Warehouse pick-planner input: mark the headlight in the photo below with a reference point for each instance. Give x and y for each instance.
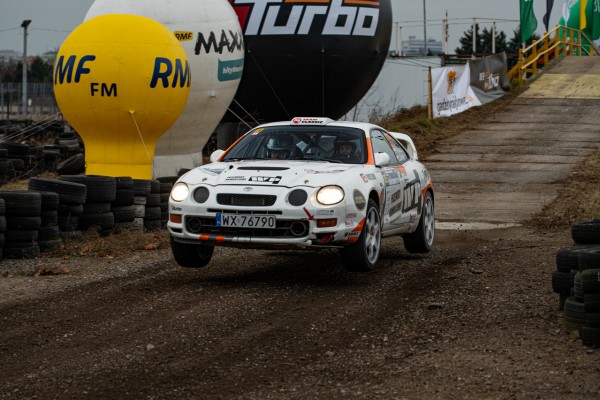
(329, 195)
(180, 192)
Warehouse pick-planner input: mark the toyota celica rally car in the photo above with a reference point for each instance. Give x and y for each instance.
(309, 183)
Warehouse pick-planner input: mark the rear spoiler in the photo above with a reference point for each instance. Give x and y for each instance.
(407, 142)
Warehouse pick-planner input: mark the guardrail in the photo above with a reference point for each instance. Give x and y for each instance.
(561, 41)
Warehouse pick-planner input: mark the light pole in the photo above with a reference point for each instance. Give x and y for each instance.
(24, 25)
(425, 28)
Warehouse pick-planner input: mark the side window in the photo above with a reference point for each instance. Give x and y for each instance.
(381, 145)
(398, 149)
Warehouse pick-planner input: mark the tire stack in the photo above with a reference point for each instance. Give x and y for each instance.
(73, 161)
(17, 156)
(166, 184)
(153, 212)
(3, 166)
(49, 232)
(142, 188)
(71, 196)
(577, 280)
(2, 226)
(101, 192)
(36, 160)
(122, 206)
(22, 210)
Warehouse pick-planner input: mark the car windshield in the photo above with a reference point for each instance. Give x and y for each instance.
(322, 143)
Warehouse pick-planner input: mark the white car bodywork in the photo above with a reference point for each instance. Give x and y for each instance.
(382, 194)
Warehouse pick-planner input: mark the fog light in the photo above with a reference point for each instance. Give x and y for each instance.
(326, 223)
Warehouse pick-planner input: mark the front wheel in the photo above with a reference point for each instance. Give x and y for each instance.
(363, 255)
(191, 255)
(421, 240)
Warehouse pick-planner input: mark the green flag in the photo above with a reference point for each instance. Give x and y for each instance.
(528, 21)
(594, 17)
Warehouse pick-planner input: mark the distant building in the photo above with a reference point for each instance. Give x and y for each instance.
(416, 47)
(10, 57)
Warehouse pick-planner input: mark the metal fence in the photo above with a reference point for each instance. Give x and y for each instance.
(40, 100)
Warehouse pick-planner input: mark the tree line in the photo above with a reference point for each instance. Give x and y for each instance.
(483, 41)
(38, 72)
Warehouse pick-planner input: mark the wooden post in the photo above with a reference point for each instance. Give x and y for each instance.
(430, 102)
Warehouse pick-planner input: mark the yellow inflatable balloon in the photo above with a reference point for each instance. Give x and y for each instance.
(121, 81)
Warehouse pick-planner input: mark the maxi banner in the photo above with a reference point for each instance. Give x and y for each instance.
(458, 88)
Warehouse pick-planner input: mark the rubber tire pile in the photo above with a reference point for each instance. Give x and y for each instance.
(21, 161)
(55, 210)
(577, 281)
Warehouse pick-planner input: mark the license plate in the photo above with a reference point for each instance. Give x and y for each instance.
(246, 220)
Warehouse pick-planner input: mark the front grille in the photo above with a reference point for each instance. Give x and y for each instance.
(246, 200)
(283, 229)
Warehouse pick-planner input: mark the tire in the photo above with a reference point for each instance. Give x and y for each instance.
(96, 208)
(21, 250)
(167, 179)
(50, 200)
(21, 203)
(124, 182)
(68, 192)
(561, 282)
(99, 188)
(152, 213)
(591, 302)
(104, 221)
(589, 259)
(142, 187)
(48, 233)
(153, 224)
(49, 218)
(421, 240)
(586, 233)
(70, 210)
(49, 244)
(21, 236)
(191, 255)
(70, 235)
(72, 165)
(124, 214)
(590, 281)
(590, 336)
(124, 197)
(153, 200)
(23, 223)
(363, 255)
(574, 314)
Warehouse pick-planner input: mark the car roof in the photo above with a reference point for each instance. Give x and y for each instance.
(365, 126)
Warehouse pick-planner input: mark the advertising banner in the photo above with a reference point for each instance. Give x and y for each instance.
(458, 88)
(451, 91)
(489, 77)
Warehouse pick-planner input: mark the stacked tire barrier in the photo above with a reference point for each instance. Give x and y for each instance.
(101, 192)
(122, 206)
(152, 216)
(166, 184)
(71, 196)
(4, 163)
(23, 220)
(72, 154)
(577, 281)
(2, 226)
(141, 190)
(49, 232)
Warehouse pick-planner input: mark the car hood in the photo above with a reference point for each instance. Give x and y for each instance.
(270, 173)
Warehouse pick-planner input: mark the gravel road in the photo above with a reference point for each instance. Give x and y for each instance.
(476, 318)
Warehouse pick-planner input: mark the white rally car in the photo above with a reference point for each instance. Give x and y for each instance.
(305, 183)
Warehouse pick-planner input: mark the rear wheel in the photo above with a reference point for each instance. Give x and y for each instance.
(363, 255)
(421, 240)
(191, 255)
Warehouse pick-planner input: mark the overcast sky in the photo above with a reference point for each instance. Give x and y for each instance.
(53, 20)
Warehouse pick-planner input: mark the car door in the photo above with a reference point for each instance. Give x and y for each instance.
(411, 186)
(391, 204)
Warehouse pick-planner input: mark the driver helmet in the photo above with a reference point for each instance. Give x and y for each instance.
(283, 143)
(342, 141)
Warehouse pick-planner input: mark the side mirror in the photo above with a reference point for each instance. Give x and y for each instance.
(214, 157)
(382, 159)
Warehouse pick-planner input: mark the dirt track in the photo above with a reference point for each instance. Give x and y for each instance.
(475, 319)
